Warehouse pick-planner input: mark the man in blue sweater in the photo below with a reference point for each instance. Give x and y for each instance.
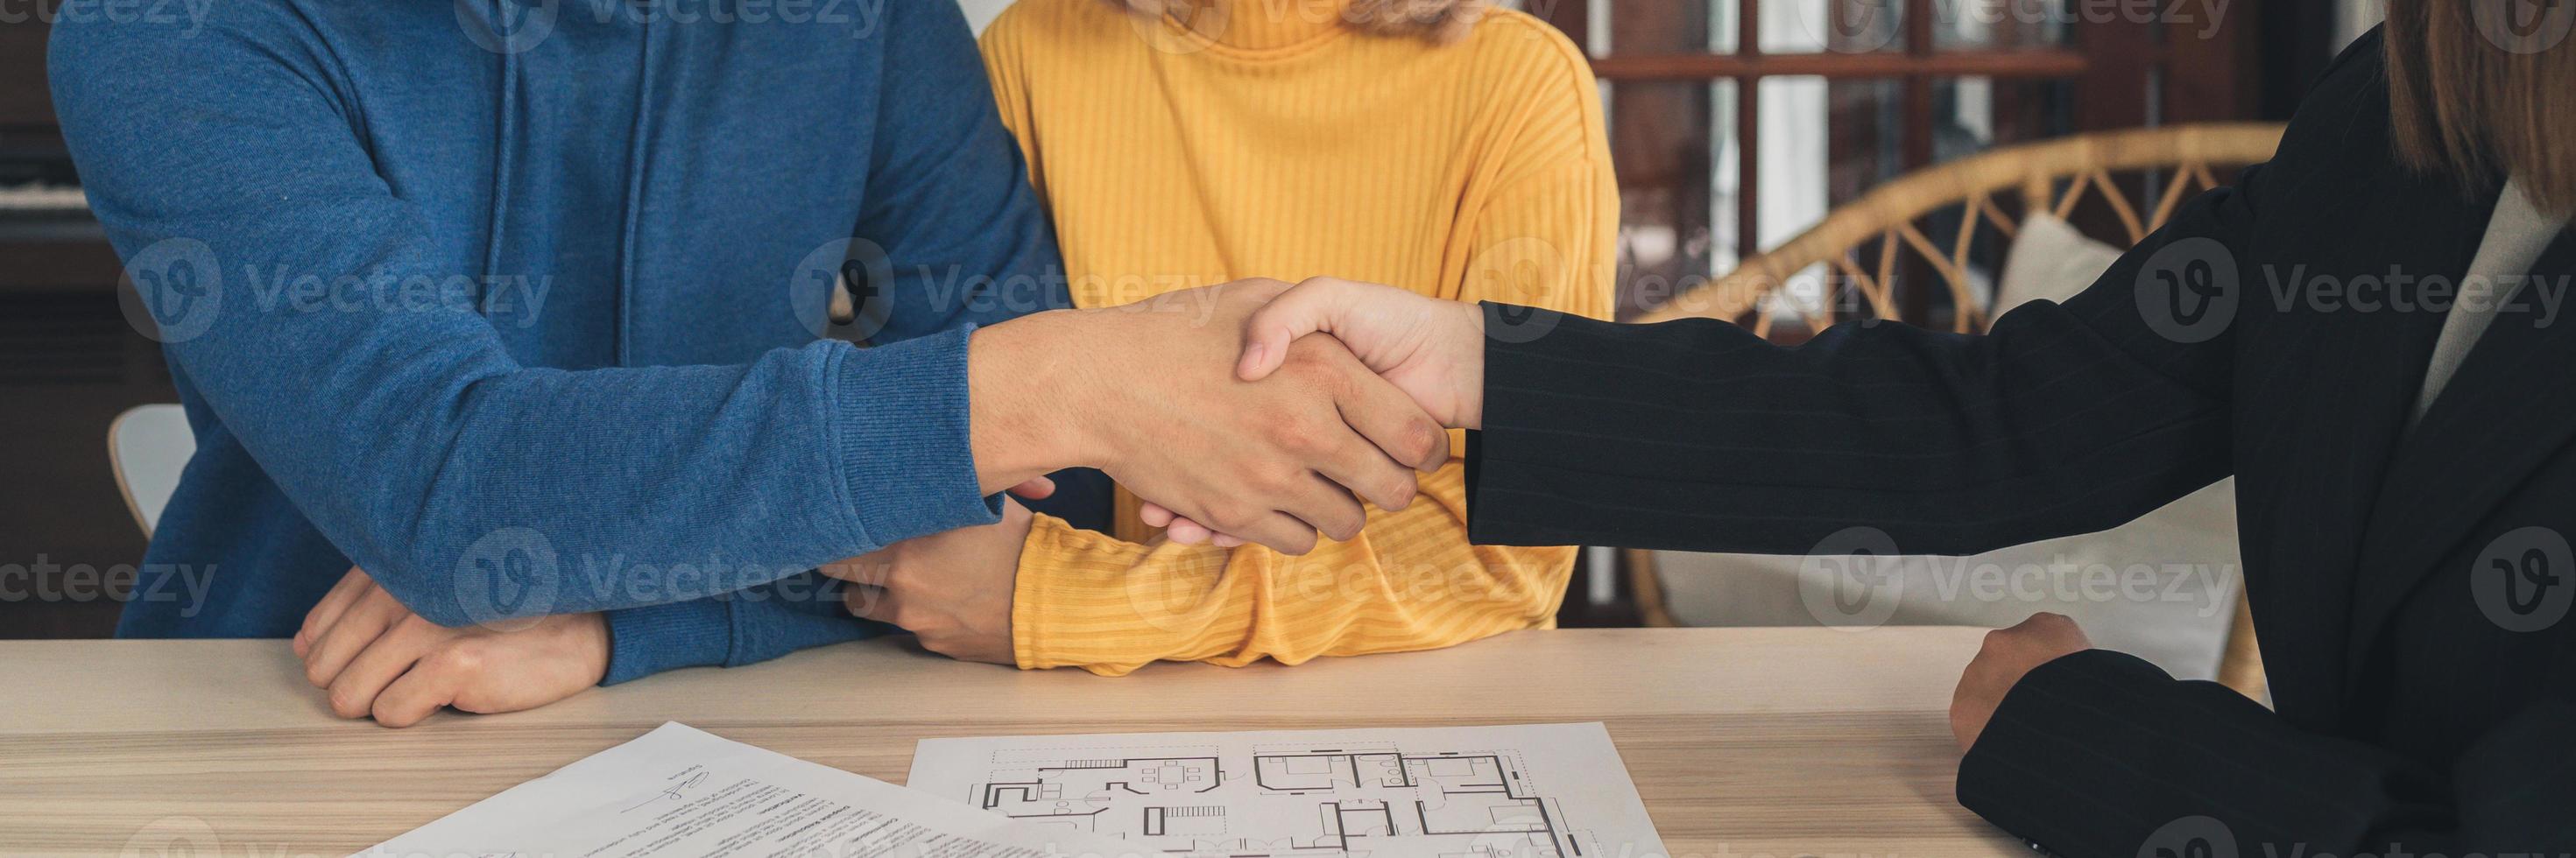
(521, 306)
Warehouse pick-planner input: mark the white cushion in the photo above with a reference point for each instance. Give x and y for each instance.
(2050, 260)
(2162, 587)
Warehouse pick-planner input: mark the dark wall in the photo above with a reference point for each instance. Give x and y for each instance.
(68, 364)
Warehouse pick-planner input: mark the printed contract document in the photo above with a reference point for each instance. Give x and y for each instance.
(678, 791)
(1533, 791)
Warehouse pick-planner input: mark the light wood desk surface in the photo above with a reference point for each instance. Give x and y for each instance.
(1745, 743)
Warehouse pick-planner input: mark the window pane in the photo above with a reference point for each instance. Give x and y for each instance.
(1668, 139)
(2000, 24)
(1788, 26)
(1822, 144)
(1839, 26)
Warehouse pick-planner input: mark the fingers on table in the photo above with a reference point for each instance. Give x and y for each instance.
(438, 679)
(328, 611)
(355, 692)
(366, 618)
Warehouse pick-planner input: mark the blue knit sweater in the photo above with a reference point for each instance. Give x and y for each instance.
(520, 304)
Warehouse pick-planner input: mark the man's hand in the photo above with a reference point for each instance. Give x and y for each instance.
(1433, 350)
(2009, 654)
(1144, 393)
(378, 658)
(952, 590)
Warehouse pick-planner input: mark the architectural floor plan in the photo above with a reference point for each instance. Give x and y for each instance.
(1536, 791)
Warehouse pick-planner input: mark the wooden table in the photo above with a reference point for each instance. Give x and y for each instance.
(1745, 743)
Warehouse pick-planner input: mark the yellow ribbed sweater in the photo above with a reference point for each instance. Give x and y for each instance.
(1289, 146)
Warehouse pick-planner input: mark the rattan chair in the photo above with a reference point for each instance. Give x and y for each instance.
(1865, 242)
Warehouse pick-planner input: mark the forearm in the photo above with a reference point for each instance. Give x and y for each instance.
(731, 630)
(2101, 754)
(462, 511)
(1698, 436)
(1411, 581)
(471, 485)
(1031, 414)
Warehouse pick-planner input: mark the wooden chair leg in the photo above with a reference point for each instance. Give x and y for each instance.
(1649, 587)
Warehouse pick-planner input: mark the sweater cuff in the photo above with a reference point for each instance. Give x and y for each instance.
(905, 439)
(649, 640)
(1080, 600)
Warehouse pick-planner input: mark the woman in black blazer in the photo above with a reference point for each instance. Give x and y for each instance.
(2410, 577)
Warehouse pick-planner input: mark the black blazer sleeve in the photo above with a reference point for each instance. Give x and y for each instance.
(1697, 435)
(2101, 754)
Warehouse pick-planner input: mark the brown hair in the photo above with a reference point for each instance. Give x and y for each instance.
(2482, 87)
(1437, 21)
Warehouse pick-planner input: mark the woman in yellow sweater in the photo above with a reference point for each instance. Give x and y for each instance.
(1435, 145)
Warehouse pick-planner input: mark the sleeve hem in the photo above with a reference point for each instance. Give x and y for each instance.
(903, 433)
(1049, 586)
(649, 640)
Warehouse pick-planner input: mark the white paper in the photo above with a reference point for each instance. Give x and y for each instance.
(678, 791)
(1534, 791)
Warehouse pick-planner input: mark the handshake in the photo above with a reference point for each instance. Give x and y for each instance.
(1224, 409)
(1220, 404)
